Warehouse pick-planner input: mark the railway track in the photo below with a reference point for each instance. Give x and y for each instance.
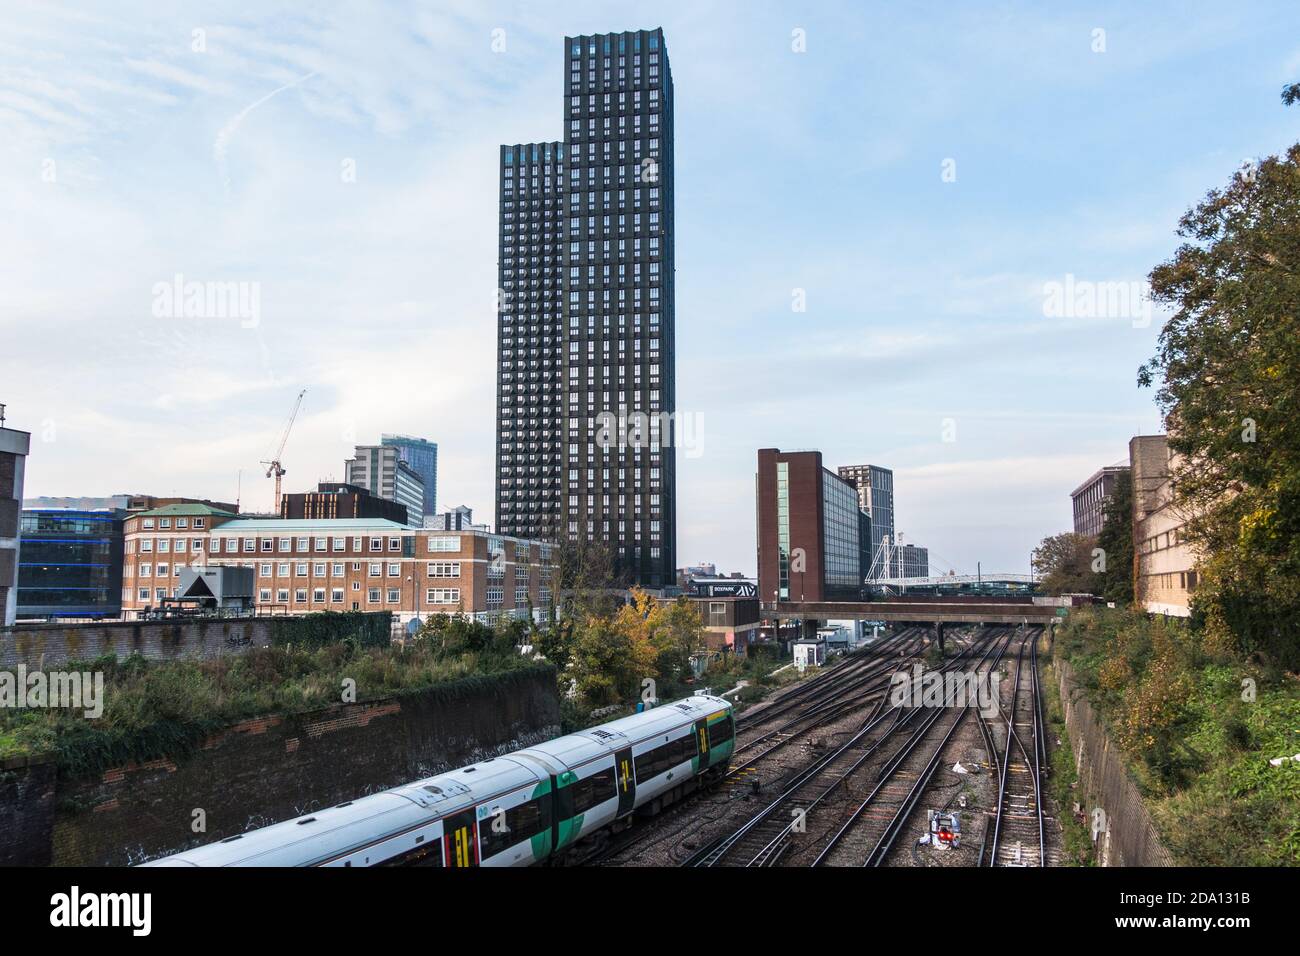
(873, 828)
(814, 705)
(1018, 835)
(766, 837)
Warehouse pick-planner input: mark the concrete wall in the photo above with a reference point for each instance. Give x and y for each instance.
(1127, 836)
(53, 644)
(267, 770)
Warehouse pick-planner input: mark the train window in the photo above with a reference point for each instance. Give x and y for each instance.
(589, 791)
(665, 757)
(721, 732)
(499, 831)
(426, 854)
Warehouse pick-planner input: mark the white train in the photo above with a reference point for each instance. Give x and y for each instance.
(514, 810)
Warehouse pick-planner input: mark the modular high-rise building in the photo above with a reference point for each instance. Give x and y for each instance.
(1090, 498)
(422, 457)
(381, 470)
(875, 488)
(586, 387)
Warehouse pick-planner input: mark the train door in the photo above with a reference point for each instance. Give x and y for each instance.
(461, 837)
(702, 743)
(625, 780)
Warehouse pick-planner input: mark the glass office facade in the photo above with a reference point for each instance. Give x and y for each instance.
(70, 564)
(842, 549)
(422, 457)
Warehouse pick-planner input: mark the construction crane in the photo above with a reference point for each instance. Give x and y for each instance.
(274, 468)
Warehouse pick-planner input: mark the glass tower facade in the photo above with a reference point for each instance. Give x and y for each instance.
(875, 487)
(70, 563)
(586, 387)
(842, 549)
(422, 457)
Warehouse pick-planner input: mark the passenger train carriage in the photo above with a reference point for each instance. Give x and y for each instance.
(522, 808)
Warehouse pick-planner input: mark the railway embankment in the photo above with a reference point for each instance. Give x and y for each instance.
(1184, 752)
(189, 752)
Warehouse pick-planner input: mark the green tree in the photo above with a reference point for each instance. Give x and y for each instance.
(609, 662)
(1064, 562)
(1228, 364)
(1116, 540)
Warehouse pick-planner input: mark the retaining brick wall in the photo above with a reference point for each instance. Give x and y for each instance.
(269, 769)
(1128, 838)
(50, 645)
(27, 798)
(54, 644)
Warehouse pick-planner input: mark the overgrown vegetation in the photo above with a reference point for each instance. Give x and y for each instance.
(154, 709)
(1228, 369)
(1199, 725)
(367, 628)
(1076, 839)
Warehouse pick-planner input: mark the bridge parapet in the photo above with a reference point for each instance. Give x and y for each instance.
(952, 610)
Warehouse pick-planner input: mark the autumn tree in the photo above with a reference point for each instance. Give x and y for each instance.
(1064, 564)
(1116, 541)
(1228, 374)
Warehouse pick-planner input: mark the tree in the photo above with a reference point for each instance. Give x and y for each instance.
(1064, 564)
(1116, 542)
(609, 662)
(1228, 362)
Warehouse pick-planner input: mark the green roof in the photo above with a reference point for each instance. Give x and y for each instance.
(317, 525)
(187, 509)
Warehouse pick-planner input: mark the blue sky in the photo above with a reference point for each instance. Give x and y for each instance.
(127, 157)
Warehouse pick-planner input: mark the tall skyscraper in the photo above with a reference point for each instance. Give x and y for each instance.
(586, 384)
(381, 471)
(875, 487)
(422, 456)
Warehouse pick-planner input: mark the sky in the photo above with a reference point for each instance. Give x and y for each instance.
(877, 205)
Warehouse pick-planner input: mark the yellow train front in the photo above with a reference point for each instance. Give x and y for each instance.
(529, 806)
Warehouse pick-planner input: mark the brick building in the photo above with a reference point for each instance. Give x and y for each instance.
(730, 623)
(1165, 575)
(813, 539)
(342, 564)
(337, 499)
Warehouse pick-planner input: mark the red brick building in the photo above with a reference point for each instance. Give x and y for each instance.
(344, 564)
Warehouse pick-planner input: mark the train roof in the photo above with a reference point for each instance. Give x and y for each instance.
(325, 833)
(308, 838)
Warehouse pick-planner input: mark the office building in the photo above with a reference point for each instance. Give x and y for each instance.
(909, 561)
(459, 518)
(340, 564)
(14, 446)
(1165, 575)
(875, 490)
(422, 457)
(586, 384)
(809, 530)
(1090, 498)
(336, 499)
(70, 564)
(381, 470)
